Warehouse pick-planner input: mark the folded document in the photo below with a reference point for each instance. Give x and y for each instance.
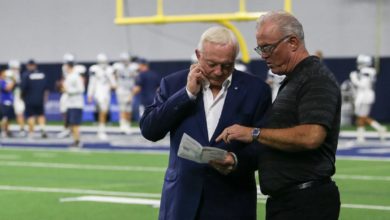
(190, 149)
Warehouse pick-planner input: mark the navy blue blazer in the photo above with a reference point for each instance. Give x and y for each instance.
(190, 188)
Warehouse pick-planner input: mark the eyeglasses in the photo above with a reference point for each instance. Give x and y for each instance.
(269, 48)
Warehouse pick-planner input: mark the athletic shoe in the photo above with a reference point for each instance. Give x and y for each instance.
(102, 136)
(22, 133)
(382, 133)
(76, 144)
(6, 134)
(30, 136)
(44, 135)
(64, 134)
(126, 130)
(360, 140)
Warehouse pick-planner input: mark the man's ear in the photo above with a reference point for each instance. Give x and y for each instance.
(294, 43)
(197, 53)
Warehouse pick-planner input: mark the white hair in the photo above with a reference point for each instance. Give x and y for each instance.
(286, 22)
(219, 35)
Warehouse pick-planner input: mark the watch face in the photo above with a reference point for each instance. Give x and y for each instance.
(255, 133)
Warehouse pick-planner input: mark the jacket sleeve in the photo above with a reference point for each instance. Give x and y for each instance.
(166, 112)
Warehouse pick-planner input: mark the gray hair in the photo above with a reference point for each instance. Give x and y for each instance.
(219, 35)
(285, 21)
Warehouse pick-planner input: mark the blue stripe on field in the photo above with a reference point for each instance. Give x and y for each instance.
(365, 151)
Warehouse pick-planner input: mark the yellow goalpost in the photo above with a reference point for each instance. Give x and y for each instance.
(222, 18)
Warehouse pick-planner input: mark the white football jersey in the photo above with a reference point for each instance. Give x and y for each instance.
(101, 80)
(363, 81)
(80, 69)
(74, 89)
(125, 75)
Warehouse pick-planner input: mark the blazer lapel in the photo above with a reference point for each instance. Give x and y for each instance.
(231, 106)
(201, 117)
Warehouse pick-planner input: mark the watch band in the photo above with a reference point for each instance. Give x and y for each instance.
(255, 134)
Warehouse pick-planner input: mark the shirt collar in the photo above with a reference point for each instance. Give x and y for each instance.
(225, 85)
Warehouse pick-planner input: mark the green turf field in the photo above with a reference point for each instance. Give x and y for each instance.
(38, 184)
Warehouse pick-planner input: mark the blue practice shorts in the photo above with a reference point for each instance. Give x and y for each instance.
(7, 111)
(74, 116)
(34, 110)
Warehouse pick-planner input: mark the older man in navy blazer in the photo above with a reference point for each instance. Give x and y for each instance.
(201, 102)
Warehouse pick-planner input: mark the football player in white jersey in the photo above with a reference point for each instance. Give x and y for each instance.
(73, 87)
(125, 74)
(364, 79)
(13, 72)
(101, 82)
(68, 63)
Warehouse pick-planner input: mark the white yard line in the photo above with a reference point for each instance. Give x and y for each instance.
(364, 158)
(76, 191)
(9, 156)
(353, 134)
(146, 169)
(353, 206)
(110, 199)
(361, 177)
(44, 155)
(81, 166)
(133, 194)
(156, 203)
(362, 206)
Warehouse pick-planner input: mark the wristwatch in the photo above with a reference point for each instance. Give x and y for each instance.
(255, 133)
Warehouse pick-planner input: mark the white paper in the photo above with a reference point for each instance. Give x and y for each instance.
(190, 149)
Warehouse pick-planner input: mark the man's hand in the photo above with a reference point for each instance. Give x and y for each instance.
(236, 132)
(224, 166)
(90, 99)
(195, 79)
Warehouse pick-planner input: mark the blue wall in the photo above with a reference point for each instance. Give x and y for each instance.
(341, 67)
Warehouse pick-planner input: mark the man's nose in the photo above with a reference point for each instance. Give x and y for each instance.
(264, 56)
(218, 69)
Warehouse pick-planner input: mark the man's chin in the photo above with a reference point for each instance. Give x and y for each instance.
(274, 70)
(215, 83)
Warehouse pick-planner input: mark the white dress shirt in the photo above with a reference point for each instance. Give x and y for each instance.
(213, 106)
